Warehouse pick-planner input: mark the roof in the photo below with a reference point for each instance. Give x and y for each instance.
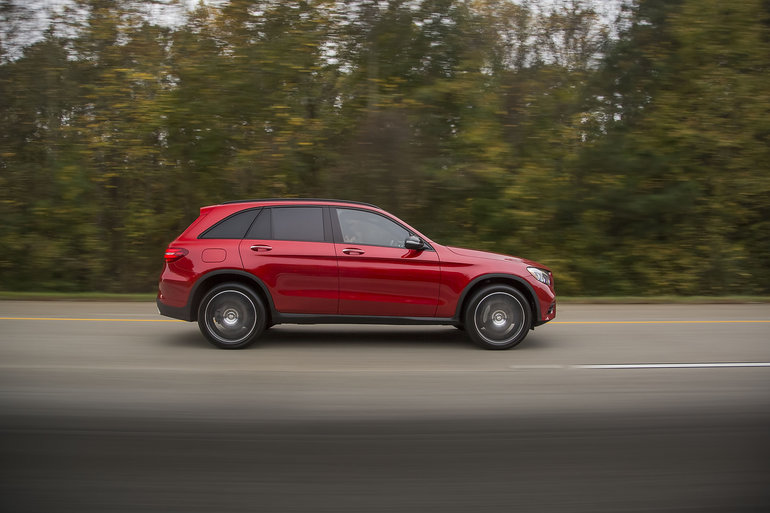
(299, 200)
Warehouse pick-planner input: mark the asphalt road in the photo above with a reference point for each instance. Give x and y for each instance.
(608, 409)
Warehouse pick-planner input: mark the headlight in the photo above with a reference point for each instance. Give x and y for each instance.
(540, 275)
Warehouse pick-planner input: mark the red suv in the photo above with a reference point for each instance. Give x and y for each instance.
(244, 266)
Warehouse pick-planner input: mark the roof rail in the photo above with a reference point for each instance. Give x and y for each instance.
(299, 199)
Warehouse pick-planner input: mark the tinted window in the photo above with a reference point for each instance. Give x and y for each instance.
(359, 227)
(233, 227)
(298, 223)
(260, 229)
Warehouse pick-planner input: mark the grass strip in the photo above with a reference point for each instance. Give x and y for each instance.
(652, 300)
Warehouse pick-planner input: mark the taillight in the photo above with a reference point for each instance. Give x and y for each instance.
(174, 254)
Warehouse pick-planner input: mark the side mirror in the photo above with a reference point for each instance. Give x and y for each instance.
(414, 242)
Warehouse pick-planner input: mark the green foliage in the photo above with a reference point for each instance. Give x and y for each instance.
(634, 164)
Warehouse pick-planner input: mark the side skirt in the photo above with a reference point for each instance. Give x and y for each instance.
(283, 318)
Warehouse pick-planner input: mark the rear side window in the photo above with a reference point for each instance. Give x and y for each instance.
(298, 223)
(232, 227)
(260, 229)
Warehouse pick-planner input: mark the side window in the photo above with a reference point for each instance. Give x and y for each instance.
(260, 229)
(367, 228)
(298, 223)
(232, 227)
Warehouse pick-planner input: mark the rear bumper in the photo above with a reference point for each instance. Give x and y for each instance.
(175, 312)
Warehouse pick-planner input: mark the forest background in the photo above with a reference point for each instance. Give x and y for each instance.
(628, 151)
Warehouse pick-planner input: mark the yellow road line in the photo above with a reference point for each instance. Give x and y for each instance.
(83, 319)
(661, 322)
(552, 322)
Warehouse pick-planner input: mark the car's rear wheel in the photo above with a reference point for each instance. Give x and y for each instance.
(497, 317)
(231, 316)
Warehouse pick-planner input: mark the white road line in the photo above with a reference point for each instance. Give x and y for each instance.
(673, 365)
(620, 366)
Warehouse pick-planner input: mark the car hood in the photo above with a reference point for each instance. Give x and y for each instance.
(472, 253)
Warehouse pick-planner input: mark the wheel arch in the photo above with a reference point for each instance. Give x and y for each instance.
(512, 280)
(214, 278)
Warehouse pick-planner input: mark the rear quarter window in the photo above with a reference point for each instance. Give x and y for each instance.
(232, 227)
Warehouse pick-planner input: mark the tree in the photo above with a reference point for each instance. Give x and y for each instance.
(632, 157)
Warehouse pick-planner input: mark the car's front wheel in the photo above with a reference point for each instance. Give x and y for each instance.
(497, 317)
(231, 316)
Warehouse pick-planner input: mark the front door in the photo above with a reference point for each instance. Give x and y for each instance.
(378, 276)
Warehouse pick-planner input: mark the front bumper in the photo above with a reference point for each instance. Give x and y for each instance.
(550, 314)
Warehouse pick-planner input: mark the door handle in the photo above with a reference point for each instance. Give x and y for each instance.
(353, 251)
(261, 247)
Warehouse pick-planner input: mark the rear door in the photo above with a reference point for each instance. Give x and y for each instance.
(290, 249)
(378, 275)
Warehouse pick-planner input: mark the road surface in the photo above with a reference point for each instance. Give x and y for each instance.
(611, 408)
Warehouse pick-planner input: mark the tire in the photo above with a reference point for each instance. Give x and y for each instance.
(231, 316)
(497, 317)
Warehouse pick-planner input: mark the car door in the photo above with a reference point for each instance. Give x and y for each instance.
(290, 249)
(378, 276)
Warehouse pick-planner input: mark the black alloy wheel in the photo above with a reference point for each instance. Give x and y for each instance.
(231, 316)
(498, 317)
